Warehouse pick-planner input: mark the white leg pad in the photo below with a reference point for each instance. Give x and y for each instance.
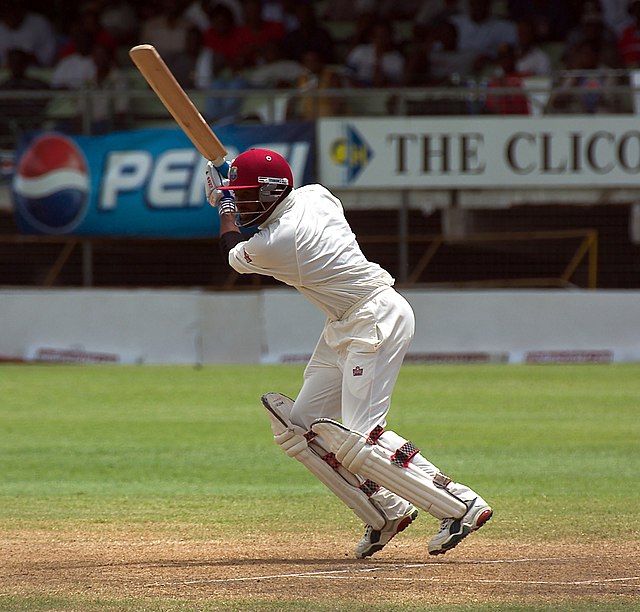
(375, 462)
(319, 461)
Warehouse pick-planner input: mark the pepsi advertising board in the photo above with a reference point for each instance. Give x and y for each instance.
(147, 183)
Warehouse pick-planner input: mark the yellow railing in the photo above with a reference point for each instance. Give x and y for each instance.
(587, 248)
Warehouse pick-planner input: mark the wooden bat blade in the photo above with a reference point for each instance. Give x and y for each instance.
(176, 101)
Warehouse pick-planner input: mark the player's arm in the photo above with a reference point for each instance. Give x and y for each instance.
(229, 234)
(224, 201)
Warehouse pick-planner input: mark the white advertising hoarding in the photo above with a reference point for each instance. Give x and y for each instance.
(479, 152)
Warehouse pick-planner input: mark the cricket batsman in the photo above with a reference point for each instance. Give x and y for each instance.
(336, 425)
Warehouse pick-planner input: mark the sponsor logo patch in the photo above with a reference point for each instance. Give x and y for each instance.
(358, 371)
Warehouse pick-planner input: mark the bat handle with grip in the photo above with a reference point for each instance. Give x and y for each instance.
(222, 166)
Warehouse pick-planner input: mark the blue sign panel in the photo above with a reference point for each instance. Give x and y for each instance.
(137, 183)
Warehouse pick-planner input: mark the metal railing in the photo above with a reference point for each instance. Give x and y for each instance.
(74, 110)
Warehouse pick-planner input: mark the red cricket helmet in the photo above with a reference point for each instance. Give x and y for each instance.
(266, 171)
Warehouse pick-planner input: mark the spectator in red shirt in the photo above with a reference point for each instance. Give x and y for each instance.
(222, 37)
(507, 103)
(629, 42)
(255, 33)
(88, 21)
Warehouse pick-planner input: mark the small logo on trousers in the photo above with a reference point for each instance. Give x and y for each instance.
(358, 371)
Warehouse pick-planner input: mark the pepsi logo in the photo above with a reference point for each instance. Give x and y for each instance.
(51, 185)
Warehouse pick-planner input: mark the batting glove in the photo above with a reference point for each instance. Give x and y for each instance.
(213, 181)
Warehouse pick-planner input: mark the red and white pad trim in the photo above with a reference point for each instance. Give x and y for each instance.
(404, 454)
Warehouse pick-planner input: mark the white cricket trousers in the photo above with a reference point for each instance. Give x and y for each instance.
(356, 362)
(352, 372)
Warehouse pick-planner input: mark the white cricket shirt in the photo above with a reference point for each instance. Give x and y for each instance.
(308, 244)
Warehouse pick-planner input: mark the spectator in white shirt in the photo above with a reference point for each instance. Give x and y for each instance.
(76, 69)
(616, 15)
(28, 31)
(377, 63)
(531, 59)
(168, 31)
(92, 67)
(447, 63)
(481, 32)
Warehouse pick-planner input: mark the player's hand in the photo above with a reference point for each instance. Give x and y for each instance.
(222, 200)
(213, 180)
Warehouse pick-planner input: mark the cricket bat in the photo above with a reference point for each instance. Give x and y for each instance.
(157, 74)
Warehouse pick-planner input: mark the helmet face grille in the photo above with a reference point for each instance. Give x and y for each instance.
(268, 196)
(270, 192)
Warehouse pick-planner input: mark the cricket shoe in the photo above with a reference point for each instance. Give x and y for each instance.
(374, 540)
(454, 530)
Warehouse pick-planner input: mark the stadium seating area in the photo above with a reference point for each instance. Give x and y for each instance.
(538, 59)
(273, 58)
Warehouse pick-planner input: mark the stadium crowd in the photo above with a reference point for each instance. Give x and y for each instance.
(240, 44)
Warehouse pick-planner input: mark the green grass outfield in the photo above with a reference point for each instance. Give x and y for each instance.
(555, 448)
